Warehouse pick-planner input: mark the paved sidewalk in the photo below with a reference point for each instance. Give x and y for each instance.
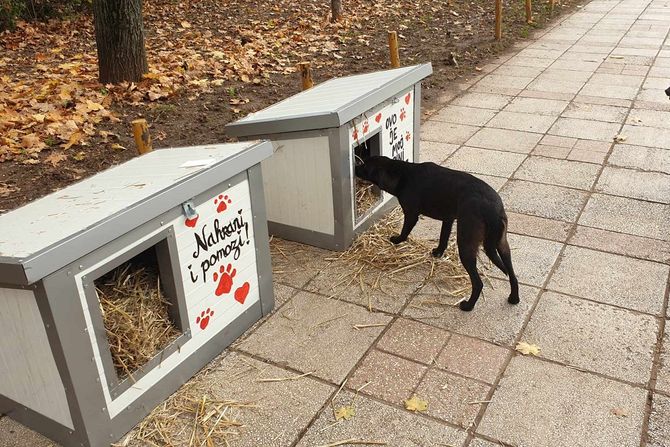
(590, 224)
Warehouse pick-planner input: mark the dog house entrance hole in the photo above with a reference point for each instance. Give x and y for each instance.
(366, 195)
(139, 309)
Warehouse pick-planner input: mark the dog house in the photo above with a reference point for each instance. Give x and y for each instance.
(177, 238)
(311, 191)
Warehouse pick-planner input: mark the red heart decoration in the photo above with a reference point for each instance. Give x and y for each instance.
(241, 293)
(407, 98)
(191, 222)
(378, 118)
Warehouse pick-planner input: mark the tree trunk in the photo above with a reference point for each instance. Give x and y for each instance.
(336, 7)
(119, 35)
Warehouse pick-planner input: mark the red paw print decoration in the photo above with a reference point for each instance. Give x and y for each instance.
(225, 277)
(366, 127)
(408, 136)
(403, 114)
(203, 319)
(354, 134)
(222, 203)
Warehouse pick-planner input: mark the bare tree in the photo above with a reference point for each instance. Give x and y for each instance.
(119, 35)
(336, 7)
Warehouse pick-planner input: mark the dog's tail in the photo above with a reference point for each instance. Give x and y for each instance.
(496, 230)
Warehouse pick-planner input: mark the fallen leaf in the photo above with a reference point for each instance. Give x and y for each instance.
(527, 349)
(79, 156)
(345, 413)
(118, 147)
(620, 138)
(416, 404)
(185, 24)
(619, 412)
(74, 139)
(55, 158)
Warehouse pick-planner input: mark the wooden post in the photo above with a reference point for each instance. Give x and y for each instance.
(393, 47)
(306, 74)
(529, 12)
(336, 10)
(551, 5)
(142, 137)
(498, 19)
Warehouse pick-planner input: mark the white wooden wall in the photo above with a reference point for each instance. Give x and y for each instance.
(298, 184)
(28, 373)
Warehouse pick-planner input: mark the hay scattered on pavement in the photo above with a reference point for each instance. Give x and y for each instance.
(135, 315)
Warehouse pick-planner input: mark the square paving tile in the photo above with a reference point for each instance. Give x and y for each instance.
(414, 340)
(477, 442)
(638, 157)
(544, 84)
(390, 378)
(539, 106)
(653, 186)
(553, 202)
(542, 150)
(595, 112)
(553, 140)
(526, 122)
(546, 405)
(595, 337)
(492, 319)
(451, 397)
(473, 358)
(627, 216)
(532, 258)
(647, 136)
(446, 132)
(593, 145)
(663, 377)
(604, 91)
(435, 151)
(566, 75)
(659, 422)
(483, 161)
(615, 81)
(493, 181)
(472, 116)
(612, 279)
(505, 140)
(650, 118)
(585, 129)
(482, 100)
(301, 266)
(378, 422)
(13, 434)
(313, 333)
(587, 156)
(622, 244)
(558, 172)
(538, 226)
(496, 80)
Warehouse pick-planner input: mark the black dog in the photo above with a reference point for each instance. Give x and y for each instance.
(445, 194)
(667, 91)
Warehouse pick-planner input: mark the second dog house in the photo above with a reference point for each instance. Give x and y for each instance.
(311, 191)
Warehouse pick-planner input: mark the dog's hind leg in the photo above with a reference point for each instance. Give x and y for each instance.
(411, 218)
(468, 240)
(506, 256)
(444, 238)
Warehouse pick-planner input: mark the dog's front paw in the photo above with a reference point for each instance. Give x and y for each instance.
(466, 306)
(437, 253)
(513, 299)
(396, 239)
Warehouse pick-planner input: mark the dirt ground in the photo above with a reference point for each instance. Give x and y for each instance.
(212, 62)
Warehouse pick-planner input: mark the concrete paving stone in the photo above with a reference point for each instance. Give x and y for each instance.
(492, 319)
(663, 376)
(494, 182)
(378, 422)
(312, 333)
(482, 100)
(546, 405)
(427, 229)
(495, 89)
(662, 62)
(546, 95)
(505, 140)
(650, 118)
(300, 267)
(585, 129)
(638, 185)
(478, 442)
(594, 337)
(537, 226)
(634, 60)
(635, 70)
(642, 158)
(546, 54)
(414, 340)
(615, 81)
(622, 244)
(586, 156)
(625, 215)
(656, 104)
(658, 83)
(435, 151)
(446, 132)
(532, 258)
(644, 46)
(595, 112)
(593, 146)
(553, 140)
(464, 115)
(473, 358)
(523, 61)
(484, 161)
(551, 151)
(604, 91)
(589, 67)
(522, 121)
(283, 293)
(613, 102)
(449, 397)
(237, 377)
(558, 172)
(552, 202)
(580, 56)
(13, 434)
(391, 378)
(496, 80)
(651, 95)
(659, 71)
(659, 422)
(544, 84)
(516, 70)
(611, 279)
(536, 106)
